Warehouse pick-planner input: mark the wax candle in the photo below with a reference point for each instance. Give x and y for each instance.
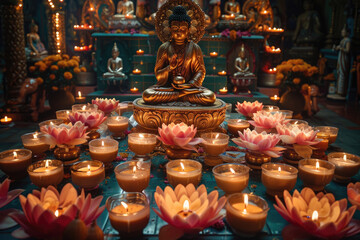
(331, 131)
(214, 144)
(88, 174)
(51, 121)
(117, 125)
(80, 98)
(46, 172)
(214, 54)
(236, 125)
(346, 165)
(36, 142)
(136, 71)
(231, 17)
(133, 176)
(277, 177)
(141, 143)
(222, 73)
(223, 90)
(140, 52)
(103, 149)
(63, 115)
(6, 120)
(287, 113)
(134, 90)
(246, 214)
(316, 173)
(129, 213)
(14, 162)
(298, 122)
(84, 107)
(231, 177)
(270, 108)
(274, 98)
(183, 171)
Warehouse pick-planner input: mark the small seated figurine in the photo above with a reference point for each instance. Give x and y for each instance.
(35, 47)
(242, 64)
(232, 8)
(179, 68)
(125, 9)
(114, 65)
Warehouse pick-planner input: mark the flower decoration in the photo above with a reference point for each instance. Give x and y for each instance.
(7, 196)
(299, 136)
(320, 215)
(90, 119)
(48, 212)
(106, 105)
(187, 210)
(249, 108)
(261, 142)
(180, 135)
(265, 121)
(65, 134)
(353, 192)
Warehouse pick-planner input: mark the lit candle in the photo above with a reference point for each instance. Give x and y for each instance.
(331, 131)
(223, 90)
(246, 214)
(316, 173)
(214, 144)
(134, 90)
(14, 162)
(6, 120)
(298, 122)
(270, 108)
(287, 113)
(51, 122)
(91, 9)
(133, 176)
(275, 98)
(278, 177)
(141, 144)
(35, 142)
(232, 17)
(236, 125)
(118, 125)
(183, 172)
(63, 115)
(140, 52)
(214, 54)
(136, 71)
(222, 73)
(231, 177)
(84, 108)
(186, 210)
(80, 98)
(129, 213)
(46, 172)
(104, 150)
(88, 174)
(346, 165)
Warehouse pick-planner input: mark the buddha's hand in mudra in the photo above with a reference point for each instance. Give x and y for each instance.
(182, 86)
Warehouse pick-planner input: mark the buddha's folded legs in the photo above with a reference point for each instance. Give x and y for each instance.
(153, 96)
(206, 97)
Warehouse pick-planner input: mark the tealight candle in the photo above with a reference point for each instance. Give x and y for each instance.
(129, 213)
(103, 149)
(63, 115)
(46, 172)
(298, 122)
(346, 165)
(183, 171)
(214, 144)
(214, 54)
(237, 125)
(331, 131)
(141, 144)
(223, 90)
(270, 108)
(88, 174)
(278, 177)
(6, 120)
(287, 113)
(275, 98)
(80, 98)
(84, 107)
(14, 162)
(231, 177)
(35, 142)
(118, 125)
(222, 73)
(133, 176)
(316, 173)
(231, 16)
(246, 214)
(134, 90)
(136, 71)
(51, 121)
(140, 52)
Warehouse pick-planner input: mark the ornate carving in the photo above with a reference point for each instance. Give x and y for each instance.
(204, 118)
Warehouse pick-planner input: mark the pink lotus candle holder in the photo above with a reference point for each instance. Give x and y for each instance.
(267, 121)
(106, 105)
(248, 108)
(353, 193)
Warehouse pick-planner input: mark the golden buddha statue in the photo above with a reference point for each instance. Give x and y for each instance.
(35, 47)
(114, 65)
(232, 11)
(242, 64)
(125, 9)
(179, 68)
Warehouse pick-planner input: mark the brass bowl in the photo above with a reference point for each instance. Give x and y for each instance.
(179, 80)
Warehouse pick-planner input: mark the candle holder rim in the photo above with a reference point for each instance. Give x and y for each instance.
(354, 156)
(120, 118)
(323, 162)
(39, 134)
(118, 170)
(198, 164)
(58, 164)
(237, 120)
(275, 108)
(89, 107)
(147, 136)
(77, 165)
(293, 171)
(224, 136)
(237, 174)
(4, 153)
(265, 208)
(327, 128)
(123, 196)
(55, 121)
(107, 140)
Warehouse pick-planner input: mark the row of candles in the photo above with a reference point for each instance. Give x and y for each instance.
(83, 27)
(82, 48)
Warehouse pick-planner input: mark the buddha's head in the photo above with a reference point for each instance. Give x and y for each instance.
(179, 22)
(34, 28)
(242, 51)
(115, 51)
(344, 31)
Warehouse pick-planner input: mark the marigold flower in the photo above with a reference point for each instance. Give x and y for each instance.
(68, 75)
(54, 68)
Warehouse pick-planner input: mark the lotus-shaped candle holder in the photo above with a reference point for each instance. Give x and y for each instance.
(91, 119)
(248, 108)
(267, 121)
(353, 192)
(319, 215)
(187, 210)
(106, 105)
(48, 212)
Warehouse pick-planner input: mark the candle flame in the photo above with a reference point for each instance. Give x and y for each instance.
(56, 213)
(35, 135)
(224, 88)
(79, 93)
(47, 163)
(279, 169)
(84, 107)
(134, 169)
(317, 165)
(296, 122)
(15, 154)
(186, 206)
(89, 167)
(51, 123)
(117, 118)
(102, 143)
(141, 135)
(315, 216)
(271, 108)
(125, 206)
(232, 171)
(275, 96)
(6, 118)
(345, 158)
(67, 112)
(246, 202)
(182, 166)
(217, 135)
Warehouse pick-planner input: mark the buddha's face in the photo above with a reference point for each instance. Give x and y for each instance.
(343, 32)
(115, 54)
(179, 31)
